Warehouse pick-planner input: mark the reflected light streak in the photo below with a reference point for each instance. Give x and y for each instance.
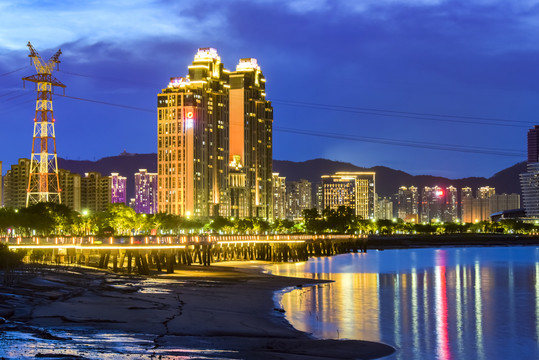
(478, 311)
(396, 311)
(442, 337)
(537, 299)
(415, 325)
(458, 292)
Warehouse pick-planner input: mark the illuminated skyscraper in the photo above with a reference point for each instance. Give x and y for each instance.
(298, 198)
(145, 192)
(351, 189)
(432, 204)
(529, 181)
(407, 204)
(193, 142)
(117, 186)
(450, 213)
(533, 144)
(251, 120)
(279, 196)
(1, 187)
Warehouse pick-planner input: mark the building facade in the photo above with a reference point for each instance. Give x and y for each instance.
(351, 189)
(408, 204)
(384, 208)
(145, 201)
(298, 198)
(450, 209)
(70, 186)
(251, 153)
(98, 192)
(16, 184)
(279, 196)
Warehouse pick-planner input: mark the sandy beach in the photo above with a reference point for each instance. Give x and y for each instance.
(218, 312)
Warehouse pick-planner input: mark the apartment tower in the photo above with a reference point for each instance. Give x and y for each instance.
(250, 158)
(193, 143)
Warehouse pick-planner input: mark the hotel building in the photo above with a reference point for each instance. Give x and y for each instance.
(351, 189)
(215, 141)
(193, 143)
(250, 157)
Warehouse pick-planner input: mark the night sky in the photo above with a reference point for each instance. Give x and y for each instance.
(361, 71)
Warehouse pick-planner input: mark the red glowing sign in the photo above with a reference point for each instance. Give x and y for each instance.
(440, 193)
(189, 114)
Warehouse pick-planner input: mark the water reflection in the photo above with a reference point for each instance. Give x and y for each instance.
(456, 303)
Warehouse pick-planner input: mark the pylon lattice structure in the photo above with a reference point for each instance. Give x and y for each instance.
(43, 182)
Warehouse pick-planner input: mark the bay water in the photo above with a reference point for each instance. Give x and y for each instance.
(449, 303)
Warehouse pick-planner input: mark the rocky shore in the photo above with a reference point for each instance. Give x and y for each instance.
(217, 312)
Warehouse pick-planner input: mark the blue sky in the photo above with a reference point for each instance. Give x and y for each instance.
(470, 58)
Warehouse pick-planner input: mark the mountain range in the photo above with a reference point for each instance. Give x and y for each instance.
(387, 180)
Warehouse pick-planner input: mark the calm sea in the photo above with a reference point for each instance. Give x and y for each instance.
(451, 303)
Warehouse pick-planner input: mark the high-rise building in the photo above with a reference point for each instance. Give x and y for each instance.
(478, 208)
(502, 202)
(279, 196)
(384, 208)
(193, 142)
(485, 192)
(298, 198)
(319, 197)
(529, 181)
(98, 192)
(145, 192)
(407, 204)
(432, 204)
(533, 145)
(351, 189)
(16, 184)
(450, 207)
(117, 185)
(70, 186)
(1, 186)
(251, 122)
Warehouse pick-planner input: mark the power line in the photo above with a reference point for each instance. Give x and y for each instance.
(389, 114)
(416, 144)
(444, 147)
(107, 103)
(395, 142)
(399, 112)
(378, 112)
(14, 71)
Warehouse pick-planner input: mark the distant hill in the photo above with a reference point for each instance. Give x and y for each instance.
(387, 180)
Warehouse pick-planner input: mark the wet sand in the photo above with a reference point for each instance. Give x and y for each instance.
(227, 308)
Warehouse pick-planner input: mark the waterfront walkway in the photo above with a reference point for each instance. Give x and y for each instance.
(142, 253)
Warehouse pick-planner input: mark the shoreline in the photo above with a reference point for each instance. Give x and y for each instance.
(227, 310)
(383, 242)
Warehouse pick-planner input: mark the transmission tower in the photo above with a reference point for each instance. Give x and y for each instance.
(43, 183)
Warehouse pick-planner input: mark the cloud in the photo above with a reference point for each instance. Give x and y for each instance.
(49, 24)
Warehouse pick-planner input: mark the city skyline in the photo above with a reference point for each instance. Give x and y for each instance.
(415, 65)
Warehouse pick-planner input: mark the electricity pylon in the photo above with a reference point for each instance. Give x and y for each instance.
(43, 183)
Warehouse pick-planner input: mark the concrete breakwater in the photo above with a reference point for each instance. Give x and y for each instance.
(140, 254)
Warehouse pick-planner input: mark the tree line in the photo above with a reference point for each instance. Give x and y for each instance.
(50, 219)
